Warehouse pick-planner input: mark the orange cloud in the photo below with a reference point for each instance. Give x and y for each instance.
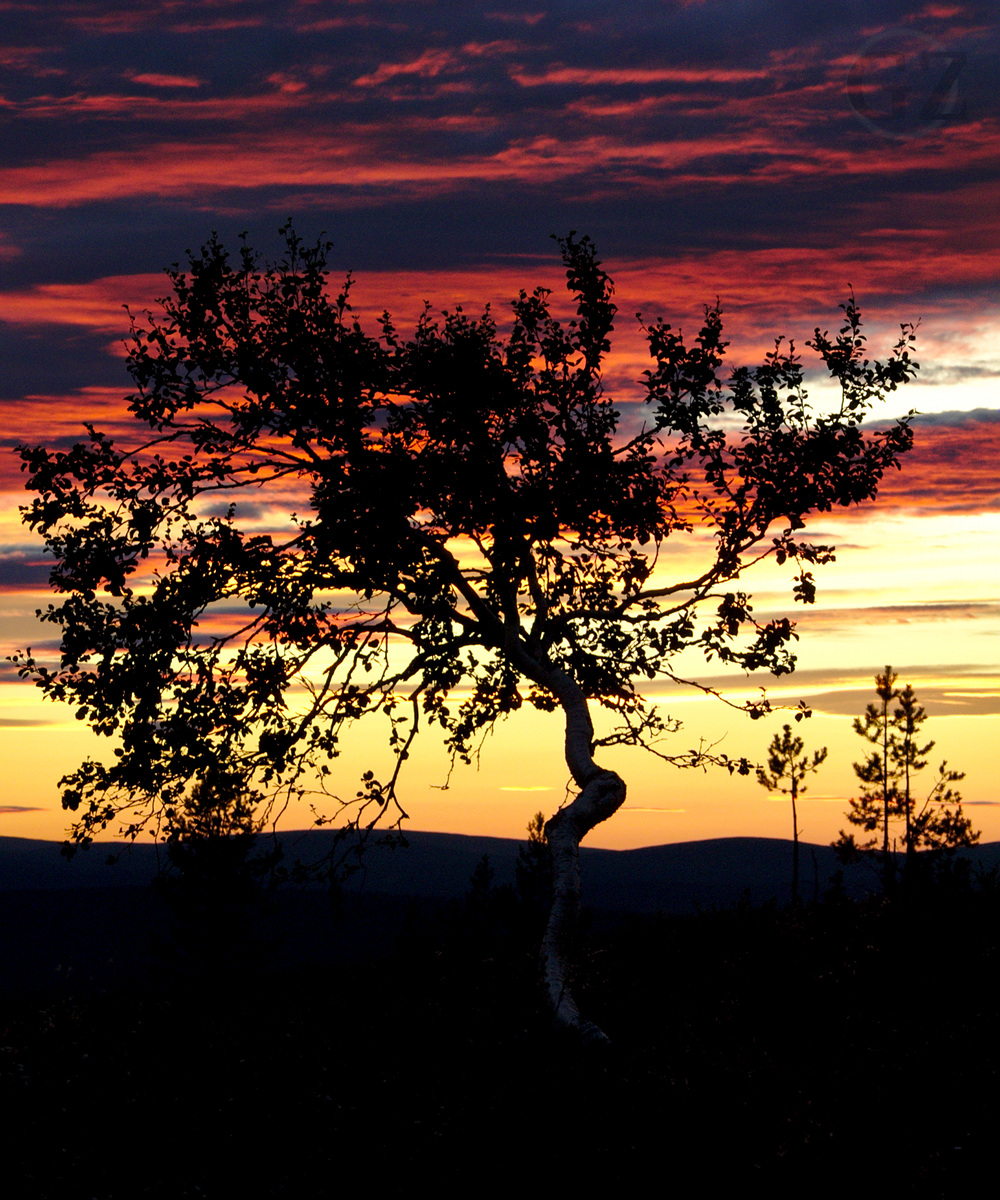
(44, 420)
(98, 305)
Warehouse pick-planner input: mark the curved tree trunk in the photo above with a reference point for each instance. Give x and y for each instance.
(601, 794)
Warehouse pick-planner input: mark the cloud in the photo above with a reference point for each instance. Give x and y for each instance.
(902, 614)
(951, 469)
(938, 700)
(936, 621)
(246, 510)
(56, 421)
(952, 689)
(25, 60)
(20, 573)
(155, 110)
(98, 305)
(707, 158)
(42, 651)
(153, 79)
(629, 76)
(428, 65)
(643, 808)
(12, 810)
(978, 417)
(107, 21)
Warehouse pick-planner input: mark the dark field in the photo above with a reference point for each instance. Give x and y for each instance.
(849, 1048)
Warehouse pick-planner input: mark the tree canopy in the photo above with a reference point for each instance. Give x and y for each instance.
(318, 524)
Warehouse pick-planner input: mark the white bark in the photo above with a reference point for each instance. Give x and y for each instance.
(601, 794)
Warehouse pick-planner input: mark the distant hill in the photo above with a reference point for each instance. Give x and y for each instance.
(677, 877)
(87, 922)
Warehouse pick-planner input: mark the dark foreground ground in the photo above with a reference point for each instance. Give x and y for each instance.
(847, 1049)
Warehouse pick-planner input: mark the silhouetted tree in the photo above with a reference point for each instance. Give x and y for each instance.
(319, 526)
(785, 773)
(873, 809)
(216, 881)
(533, 869)
(887, 800)
(481, 887)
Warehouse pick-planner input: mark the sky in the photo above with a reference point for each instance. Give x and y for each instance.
(772, 155)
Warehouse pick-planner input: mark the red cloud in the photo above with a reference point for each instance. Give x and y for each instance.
(622, 76)
(952, 468)
(98, 305)
(165, 81)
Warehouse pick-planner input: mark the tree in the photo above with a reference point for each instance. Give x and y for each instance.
(533, 869)
(785, 773)
(215, 886)
(318, 526)
(887, 800)
(873, 809)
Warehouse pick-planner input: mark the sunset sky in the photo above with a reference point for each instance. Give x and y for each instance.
(773, 155)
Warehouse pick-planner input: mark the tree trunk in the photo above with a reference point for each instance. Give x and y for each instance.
(795, 846)
(887, 864)
(909, 858)
(601, 794)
